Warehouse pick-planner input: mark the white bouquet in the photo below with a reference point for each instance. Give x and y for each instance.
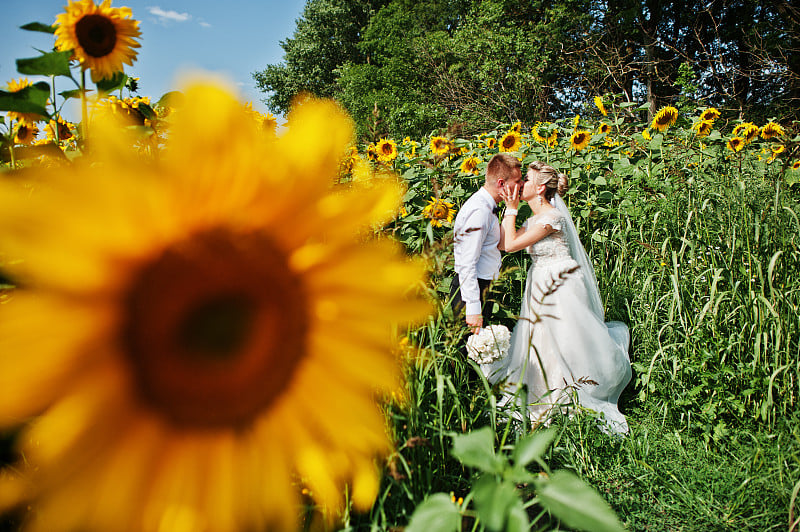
(489, 345)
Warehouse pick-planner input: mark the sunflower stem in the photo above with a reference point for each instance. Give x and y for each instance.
(84, 109)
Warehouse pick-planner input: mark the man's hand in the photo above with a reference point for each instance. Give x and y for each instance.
(475, 322)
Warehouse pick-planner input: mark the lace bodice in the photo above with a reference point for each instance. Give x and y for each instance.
(553, 247)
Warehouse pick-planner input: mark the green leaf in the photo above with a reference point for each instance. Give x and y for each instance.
(116, 82)
(75, 93)
(600, 180)
(532, 447)
(436, 512)
(38, 26)
(656, 141)
(518, 518)
(576, 504)
(476, 449)
(625, 105)
(31, 99)
(48, 64)
(494, 501)
(48, 150)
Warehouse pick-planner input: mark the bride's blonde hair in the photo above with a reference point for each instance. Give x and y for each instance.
(552, 180)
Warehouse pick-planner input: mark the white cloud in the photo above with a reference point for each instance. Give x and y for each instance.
(168, 16)
(204, 24)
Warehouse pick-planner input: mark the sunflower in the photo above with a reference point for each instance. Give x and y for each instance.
(665, 117)
(604, 129)
(780, 148)
(100, 37)
(386, 150)
(646, 134)
(796, 165)
(516, 127)
(16, 86)
(552, 139)
(25, 133)
(771, 129)
(188, 357)
(579, 140)
(598, 101)
(491, 142)
(64, 130)
(439, 212)
(736, 144)
(712, 113)
(747, 131)
(511, 141)
(703, 127)
(576, 120)
(536, 135)
(470, 165)
(440, 145)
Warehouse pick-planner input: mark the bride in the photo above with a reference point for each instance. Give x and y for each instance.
(561, 345)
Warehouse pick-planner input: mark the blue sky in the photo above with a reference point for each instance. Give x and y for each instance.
(232, 38)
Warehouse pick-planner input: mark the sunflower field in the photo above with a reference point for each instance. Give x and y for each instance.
(206, 326)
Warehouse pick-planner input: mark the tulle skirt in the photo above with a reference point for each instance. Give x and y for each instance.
(561, 350)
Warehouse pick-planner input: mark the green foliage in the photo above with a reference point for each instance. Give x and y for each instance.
(474, 63)
(31, 99)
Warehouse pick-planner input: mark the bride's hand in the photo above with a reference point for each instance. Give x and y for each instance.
(510, 195)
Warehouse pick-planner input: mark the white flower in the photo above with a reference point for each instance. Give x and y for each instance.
(489, 345)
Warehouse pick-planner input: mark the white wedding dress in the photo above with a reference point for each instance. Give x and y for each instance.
(561, 347)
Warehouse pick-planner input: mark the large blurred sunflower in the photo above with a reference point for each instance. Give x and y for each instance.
(439, 212)
(579, 140)
(100, 37)
(511, 141)
(197, 329)
(665, 117)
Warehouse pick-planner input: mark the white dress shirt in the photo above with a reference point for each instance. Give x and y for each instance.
(476, 234)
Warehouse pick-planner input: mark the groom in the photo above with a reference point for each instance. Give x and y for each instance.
(477, 238)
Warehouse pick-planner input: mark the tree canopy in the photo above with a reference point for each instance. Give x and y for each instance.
(403, 68)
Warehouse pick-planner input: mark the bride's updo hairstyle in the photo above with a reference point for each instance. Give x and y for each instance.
(548, 176)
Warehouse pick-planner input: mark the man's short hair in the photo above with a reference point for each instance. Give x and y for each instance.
(502, 166)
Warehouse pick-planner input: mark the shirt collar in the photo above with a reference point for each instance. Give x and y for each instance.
(487, 198)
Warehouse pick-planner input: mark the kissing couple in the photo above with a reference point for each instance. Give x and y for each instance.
(561, 345)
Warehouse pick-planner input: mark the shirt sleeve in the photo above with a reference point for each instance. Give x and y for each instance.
(469, 242)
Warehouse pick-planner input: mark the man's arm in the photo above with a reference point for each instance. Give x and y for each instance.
(469, 243)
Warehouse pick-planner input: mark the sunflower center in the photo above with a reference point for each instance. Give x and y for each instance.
(215, 329)
(96, 34)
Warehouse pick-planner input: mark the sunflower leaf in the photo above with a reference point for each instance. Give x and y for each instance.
(47, 64)
(437, 512)
(476, 449)
(31, 99)
(576, 504)
(38, 26)
(47, 150)
(116, 82)
(74, 93)
(532, 447)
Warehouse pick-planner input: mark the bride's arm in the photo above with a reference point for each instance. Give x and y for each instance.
(510, 239)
